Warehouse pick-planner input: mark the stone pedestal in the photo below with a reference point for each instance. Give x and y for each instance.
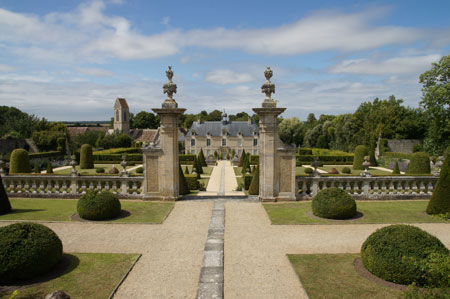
(161, 175)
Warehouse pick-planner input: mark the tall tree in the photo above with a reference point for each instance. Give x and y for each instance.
(436, 101)
(145, 120)
(291, 131)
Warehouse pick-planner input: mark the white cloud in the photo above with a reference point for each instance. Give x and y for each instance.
(393, 66)
(6, 68)
(165, 21)
(96, 72)
(227, 77)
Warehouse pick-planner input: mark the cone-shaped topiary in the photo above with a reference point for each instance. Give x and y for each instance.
(37, 167)
(186, 170)
(101, 206)
(360, 152)
(5, 206)
(372, 159)
(198, 165)
(396, 168)
(27, 250)
(49, 167)
(395, 253)
(245, 165)
(182, 182)
(201, 158)
(419, 164)
(440, 200)
(19, 161)
(242, 159)
(254, 185)
(333, 203)
(86, 159)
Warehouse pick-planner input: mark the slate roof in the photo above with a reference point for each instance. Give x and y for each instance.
(215, 128)
(73, 131)
(123, 103)
(145, 135)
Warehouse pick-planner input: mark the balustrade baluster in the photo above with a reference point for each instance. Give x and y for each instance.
(430, 188)
(57, 186)
(414, 187)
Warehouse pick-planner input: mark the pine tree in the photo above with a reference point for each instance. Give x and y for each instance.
(440, 200)
(186, 170)
(242, 159)
(396, 168)
(254, 185)
(201, 158)
(182, 182)
(49, 167)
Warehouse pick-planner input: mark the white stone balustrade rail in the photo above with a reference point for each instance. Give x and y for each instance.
(71, 186)
(386, 187)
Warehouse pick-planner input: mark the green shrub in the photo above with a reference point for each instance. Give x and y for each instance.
(436, 269)
(140, 170)
(49, 167)
(346, 170)
(61, 142)
(254, 160)
(199, 167)
(27, 250)
(396, 168)
(308, 170)
(417, 148)
(242, 159)
(305, 151)
(201, 158)
(394, 253)
(98, 206)
(86, 159)
(5, 206)
(419, 164)
(254, 185)
(117, 157)
(186, 170)
(37, 167)
(99, 170)
(414, 292)
(192, 181)
(247, 181)
(246, 164)
(19, 162)
(360, 152)
(372, 159)
(440, 200)
(187, 159)
(182, 182)
(333, 203)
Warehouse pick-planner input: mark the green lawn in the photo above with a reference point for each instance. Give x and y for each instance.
(334, 276)
(63, 209)
(206, 170)
(355, 172)
(373, 212)
(299, 170)
(89, 275)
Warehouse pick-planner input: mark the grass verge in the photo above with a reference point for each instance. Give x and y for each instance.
(89, 275)
(373, 212)
(334, 276)
(63, 209)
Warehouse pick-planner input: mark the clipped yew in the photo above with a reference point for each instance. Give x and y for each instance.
(86, 159)
(19, 161)
(182, 182)
(372, 158)
(254, 185)
(242, 158)
(201, 158)
(396, 168)
(440, 200)
(360, 152)
(419, 164)
(333, 203)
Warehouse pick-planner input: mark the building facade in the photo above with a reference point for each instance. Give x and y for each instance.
(121, 116)
(222, 137)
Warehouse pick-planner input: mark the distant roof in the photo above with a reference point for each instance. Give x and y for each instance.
(74, 131)
(122, 102)
(145, 135)
(215, 128)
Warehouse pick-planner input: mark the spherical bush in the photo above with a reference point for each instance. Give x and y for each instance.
(334, 203)
(27, 250)
(308, 170)
(101, 206)
(394, 253)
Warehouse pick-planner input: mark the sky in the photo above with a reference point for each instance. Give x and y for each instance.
(70, 60)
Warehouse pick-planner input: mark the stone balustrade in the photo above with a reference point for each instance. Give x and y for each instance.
(71, 186)
(386, 187)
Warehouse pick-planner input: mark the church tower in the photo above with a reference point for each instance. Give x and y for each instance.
(121, 116)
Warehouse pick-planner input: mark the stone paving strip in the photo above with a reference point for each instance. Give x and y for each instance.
(211, 275)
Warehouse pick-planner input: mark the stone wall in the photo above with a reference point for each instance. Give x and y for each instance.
(8, 145)
(402, 145)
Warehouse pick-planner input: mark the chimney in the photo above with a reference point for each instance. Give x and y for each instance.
(199, 121)
(249, 120)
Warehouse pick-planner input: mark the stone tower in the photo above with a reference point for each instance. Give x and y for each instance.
(121, 116)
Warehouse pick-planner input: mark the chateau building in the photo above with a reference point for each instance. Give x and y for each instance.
(222, 137)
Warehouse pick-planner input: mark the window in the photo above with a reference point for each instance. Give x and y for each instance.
(208, 142)
(224, 142)
(255, 142)
(117, 115)
(192, 142)
(239, 141)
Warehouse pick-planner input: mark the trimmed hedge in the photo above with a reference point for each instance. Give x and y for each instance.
(247, 180)
(242, 158)
(254, 159)
(101, 206)
(395, 253)
(346, 170)
(305, 151)
(86, 160)
(254, 185)
(117, 157)
(419, 164)
(50, 154)
(440, 200)
(396, 168)
(201, 158)
(19, 161)
(360, 152)
(182, 182)
(120, 150)
(333, 203)
(191, 181)
(403, 156)
(186, 159)
(331, 158)
(5, 205)
(308, 170)
(27, 250)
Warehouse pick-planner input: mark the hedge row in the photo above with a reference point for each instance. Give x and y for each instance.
(187, 159)
(304, 151)
(117, 157)
(247, 181)
(117, 162)
(300, 163)
(121, 150)
(51, 154)
(324, 159)
(254, 159)
(191, 181)
(398, 155)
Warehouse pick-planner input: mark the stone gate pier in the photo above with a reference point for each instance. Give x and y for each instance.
(276, 159)
(161, 162)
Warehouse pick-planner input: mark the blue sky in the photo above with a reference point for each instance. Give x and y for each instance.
(69, 60)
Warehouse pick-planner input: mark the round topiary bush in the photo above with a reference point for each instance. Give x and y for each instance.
(86, 159)
(333, 203)
(360, 152)
(27, 250)
(395, 253)
(419, 164)
(346, 170)
(99, 170)
(98, 206)
(333, 171)
(19, 161)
